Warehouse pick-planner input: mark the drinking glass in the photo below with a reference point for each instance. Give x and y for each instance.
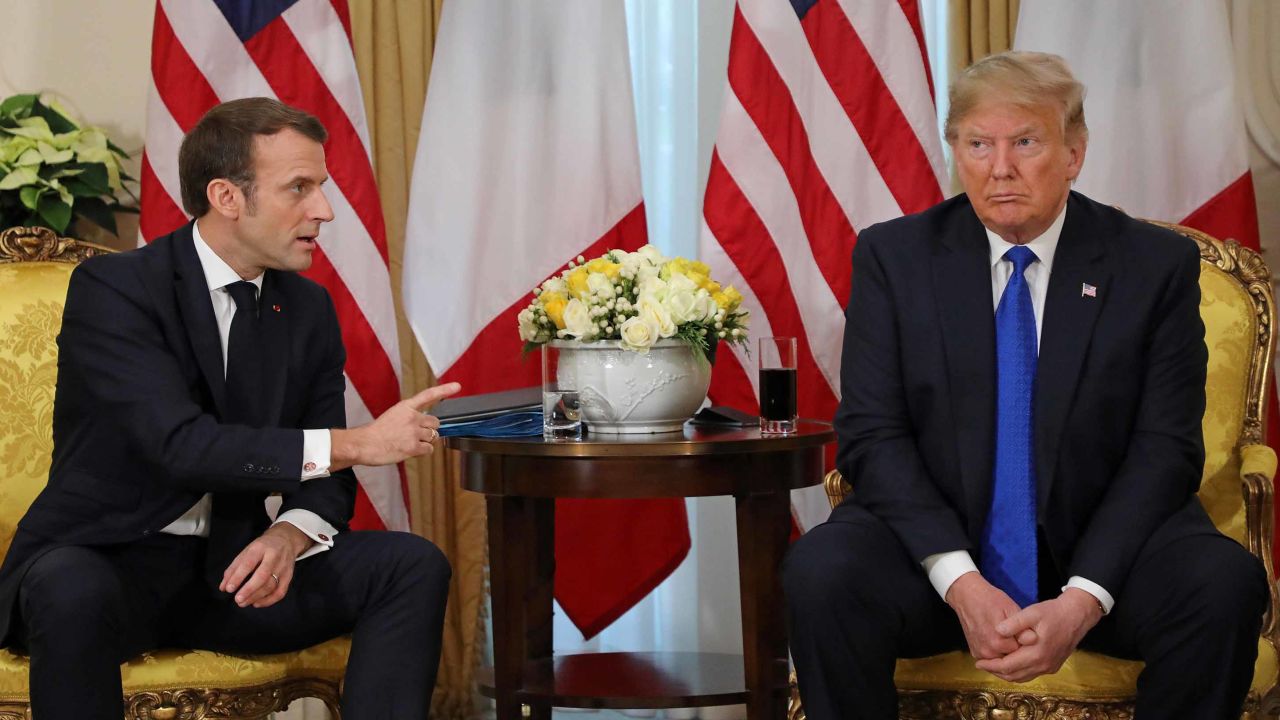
(777, 385)
(561, 405)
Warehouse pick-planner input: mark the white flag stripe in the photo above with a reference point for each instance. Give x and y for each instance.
(215, 49)
(1140, 158)
(318, 28)
(836, 147)
(507, 188)
(381, 484)
(762, 181)
(896, 52)
(164, 137)
(713, 254)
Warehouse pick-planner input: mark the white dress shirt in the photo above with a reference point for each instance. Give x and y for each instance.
(945, 568)
(316, 444)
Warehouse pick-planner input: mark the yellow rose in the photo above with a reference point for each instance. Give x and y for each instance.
(577, 281)
(735, 297)
(711, 286)
(699, 279)
(699, 267)
(602, 265)
(721, 299)
(554, 304)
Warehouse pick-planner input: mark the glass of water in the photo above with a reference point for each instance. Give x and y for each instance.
(561, 404)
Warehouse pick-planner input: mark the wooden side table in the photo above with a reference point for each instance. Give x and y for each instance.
(522, 478)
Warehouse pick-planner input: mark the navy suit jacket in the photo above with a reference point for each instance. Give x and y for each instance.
(1119, 388)
(136, 424)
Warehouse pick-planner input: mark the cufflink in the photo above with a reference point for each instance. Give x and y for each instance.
(323, 537)
(309, 467)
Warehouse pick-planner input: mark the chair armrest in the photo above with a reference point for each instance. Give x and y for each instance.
(837, 488)
(1257, 478)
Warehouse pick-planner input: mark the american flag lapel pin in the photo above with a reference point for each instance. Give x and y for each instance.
(276, 308)
(1087, 290)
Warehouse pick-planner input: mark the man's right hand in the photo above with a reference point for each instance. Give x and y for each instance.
(403, 431)
(980, 607)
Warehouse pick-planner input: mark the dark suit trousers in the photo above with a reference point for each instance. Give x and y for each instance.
(83, 611)
(1191, 609)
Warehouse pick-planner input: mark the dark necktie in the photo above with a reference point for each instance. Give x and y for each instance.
(1008, 558)
(244, 358)
(236, 518)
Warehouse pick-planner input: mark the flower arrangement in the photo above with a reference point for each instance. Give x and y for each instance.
(52, 169)
(636, 298)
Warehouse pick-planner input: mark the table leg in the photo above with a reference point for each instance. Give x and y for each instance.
(521, 572)
(764, 528)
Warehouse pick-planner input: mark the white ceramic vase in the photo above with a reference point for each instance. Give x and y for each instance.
(622, 391)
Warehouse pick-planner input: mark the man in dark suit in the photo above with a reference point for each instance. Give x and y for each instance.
(1022, 390)
(196, 377)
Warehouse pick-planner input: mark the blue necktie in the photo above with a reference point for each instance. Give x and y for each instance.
(1009, 539)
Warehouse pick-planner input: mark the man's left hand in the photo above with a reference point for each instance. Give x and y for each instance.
(1059, 626)
(267, 563)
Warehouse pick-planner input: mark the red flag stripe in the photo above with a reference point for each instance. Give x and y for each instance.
(295, 81)
(494, 360)
(756, 83)
(871, 107)
(344, 15)
(745, 239)
(368, 365)
(182, 87)
(1231, 214)
(162, 215)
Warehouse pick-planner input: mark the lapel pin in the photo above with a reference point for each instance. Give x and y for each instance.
(276, 308)
(1086, 290)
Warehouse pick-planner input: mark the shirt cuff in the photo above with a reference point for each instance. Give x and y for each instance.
(945, 568)
(1104, 598)
(311, 525)
(316, 451)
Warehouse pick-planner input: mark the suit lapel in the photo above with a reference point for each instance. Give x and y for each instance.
(197, 315)
(274, 313)
(962, 292)
(1066, 333)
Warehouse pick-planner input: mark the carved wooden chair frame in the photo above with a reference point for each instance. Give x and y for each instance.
(193, 703)
(1248, 268)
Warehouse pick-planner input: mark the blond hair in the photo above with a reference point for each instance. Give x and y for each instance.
(1022, 78)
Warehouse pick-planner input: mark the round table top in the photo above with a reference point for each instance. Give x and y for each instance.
(691, 440)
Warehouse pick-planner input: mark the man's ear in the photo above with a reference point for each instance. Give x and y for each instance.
(1075, 159)
(225, 198)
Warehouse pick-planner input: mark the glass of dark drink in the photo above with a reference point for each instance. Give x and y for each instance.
(777, 385)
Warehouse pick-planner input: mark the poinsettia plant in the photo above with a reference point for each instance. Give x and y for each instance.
(52, 169)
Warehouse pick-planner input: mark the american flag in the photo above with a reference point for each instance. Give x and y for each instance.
(208, 51)
(828, 127)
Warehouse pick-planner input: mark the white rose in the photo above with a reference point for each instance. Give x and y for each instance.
(528, 326)
(652, 254)
(683, 306)
(680, 281)
(652, 287)
(647, 272)
(653, 312)
(705, 306)
(600, 284)
(577, 320)
(555, 284)
(637, 334)
(631, 263)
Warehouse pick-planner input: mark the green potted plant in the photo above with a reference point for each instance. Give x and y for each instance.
(53, 170)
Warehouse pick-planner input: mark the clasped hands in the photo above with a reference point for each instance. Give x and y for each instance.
(1020, 644)
(261, 573)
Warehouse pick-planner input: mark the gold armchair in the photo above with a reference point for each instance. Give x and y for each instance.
(35, 267)
(1238, 310)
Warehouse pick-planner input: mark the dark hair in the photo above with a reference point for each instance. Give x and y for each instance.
(221, 145)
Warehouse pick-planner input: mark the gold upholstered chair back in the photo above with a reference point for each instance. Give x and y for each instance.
(1237, 306)
(35, 269)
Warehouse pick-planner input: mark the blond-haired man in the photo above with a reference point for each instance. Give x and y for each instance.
(1022, 390)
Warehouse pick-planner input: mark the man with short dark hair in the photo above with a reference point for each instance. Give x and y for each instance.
(1022, 388)
(196, 377)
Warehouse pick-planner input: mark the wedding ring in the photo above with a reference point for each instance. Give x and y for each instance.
(434, 434)
(276, 578)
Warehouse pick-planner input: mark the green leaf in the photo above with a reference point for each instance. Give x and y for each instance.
(19, 177)
(18, 104)
(53, 155)
(30, 158)
(56, 121)
(30, 195)
(55, 212)
(93, 175)
(33, 127)
(98, 212)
